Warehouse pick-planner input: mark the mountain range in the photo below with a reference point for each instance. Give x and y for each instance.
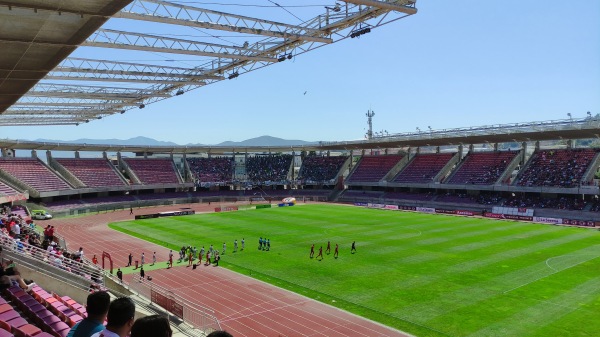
(145, 141)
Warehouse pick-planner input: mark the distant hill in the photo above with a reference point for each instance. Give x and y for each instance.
(145, 141)
(266, 141)
(131, 141)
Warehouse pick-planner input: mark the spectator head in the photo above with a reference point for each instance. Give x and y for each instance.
(151, 326)
(97, 304)
(218, 334)
(121, 314)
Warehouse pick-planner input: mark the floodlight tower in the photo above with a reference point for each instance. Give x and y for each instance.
(370, 113)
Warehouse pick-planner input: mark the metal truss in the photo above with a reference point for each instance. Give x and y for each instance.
(177, 14)
(91, 92)
(108, 38)
(274, 42)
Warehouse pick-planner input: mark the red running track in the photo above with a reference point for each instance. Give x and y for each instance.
(244, 306)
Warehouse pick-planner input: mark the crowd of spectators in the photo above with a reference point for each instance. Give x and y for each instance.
(212, 170)
(533, 201)
(595, 206)
(320, 168)
(268, 168)
(557, 168)
(20, 235)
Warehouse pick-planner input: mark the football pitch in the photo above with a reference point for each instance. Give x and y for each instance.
(428, 275)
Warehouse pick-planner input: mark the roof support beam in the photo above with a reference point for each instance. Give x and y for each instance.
(61, 69)
(106, 38)
(51, 76)
(177, 14)
(43, 112)
(397, 6)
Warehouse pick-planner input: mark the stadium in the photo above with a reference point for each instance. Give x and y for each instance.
(484, 230)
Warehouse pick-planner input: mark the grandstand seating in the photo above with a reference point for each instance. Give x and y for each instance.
(535, 201)
(34, 173)
(409, 196)
(320, 168)
(7, 190)
(557, 168)
(482, 168)
(93, 172)
(19, 210)
(423, 168)
(153, 170)
(268, 168)
(353, 194)
(373, 168)
(212, 170)
(50, 315)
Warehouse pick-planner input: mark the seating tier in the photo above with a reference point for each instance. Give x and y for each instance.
(373, 168)
(482, 168)
(93, 172)
(34, 173)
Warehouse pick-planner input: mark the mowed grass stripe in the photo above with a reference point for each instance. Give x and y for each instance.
(425, 274)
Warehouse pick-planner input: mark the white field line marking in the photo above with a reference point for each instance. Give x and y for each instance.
(522, 285)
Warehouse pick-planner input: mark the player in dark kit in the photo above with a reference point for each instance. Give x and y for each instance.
(312, 251)
(328, 249)
(353, 249)
(335, 253)
(320, 253)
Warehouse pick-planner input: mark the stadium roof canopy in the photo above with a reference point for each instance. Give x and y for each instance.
(49, 76)
(36, 35)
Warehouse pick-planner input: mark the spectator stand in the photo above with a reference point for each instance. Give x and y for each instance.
(152, 171)
(557, 168)
(481, 168)
(425, 168)
(9, 194)
(37, 261)
(207, 172)
(319, 170)
(373, 169)
(269, 169)
(32, 175)
(89, 172)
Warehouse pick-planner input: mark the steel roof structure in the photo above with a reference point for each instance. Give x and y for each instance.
(41, 85)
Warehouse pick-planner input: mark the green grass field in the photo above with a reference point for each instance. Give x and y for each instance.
(429, 275)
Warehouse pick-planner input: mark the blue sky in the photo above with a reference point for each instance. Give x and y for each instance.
(453, 64)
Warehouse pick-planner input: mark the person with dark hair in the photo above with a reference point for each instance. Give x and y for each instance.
(120, 318)
(97, 308)
(120, 275)
(218, 333)
(151, 326)
(142, 274)
(320, 253)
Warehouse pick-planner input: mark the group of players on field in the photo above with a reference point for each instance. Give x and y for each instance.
(328, 250)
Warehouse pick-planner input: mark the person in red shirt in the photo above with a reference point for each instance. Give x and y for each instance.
(335, 253)
(312, 251)
(328, 249)
(207, 258)
(170, 264)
